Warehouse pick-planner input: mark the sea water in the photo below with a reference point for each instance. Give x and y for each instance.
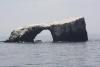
(48, 54)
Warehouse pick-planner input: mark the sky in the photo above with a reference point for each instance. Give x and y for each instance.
(18, 13)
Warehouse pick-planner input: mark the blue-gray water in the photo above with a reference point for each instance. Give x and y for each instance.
(80, 54)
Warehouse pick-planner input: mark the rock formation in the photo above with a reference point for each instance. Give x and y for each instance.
(70, 29)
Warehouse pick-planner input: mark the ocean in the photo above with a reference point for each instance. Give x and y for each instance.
(48, 54)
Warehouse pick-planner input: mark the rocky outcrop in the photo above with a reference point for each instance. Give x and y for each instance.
(70, 29)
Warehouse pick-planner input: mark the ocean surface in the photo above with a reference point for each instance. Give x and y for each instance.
(48, 54)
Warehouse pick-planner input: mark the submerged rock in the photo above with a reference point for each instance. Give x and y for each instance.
(38, 41)
(70, 29)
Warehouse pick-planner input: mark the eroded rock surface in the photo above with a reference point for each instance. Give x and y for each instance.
(69, 29)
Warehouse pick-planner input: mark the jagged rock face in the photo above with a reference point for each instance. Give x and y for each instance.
(68, 30)
(78, 30)
(73, 31)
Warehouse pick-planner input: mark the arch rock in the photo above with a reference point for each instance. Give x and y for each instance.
(70, 29)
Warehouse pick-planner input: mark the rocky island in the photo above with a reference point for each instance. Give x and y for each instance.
(71, 29)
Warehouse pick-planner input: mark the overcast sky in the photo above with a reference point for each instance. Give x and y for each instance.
(17, 13)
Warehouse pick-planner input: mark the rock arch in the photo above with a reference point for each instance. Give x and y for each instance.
(70, 29)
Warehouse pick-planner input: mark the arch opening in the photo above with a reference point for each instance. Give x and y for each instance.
(44, 36)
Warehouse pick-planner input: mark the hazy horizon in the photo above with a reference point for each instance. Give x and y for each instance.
(17, 13)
